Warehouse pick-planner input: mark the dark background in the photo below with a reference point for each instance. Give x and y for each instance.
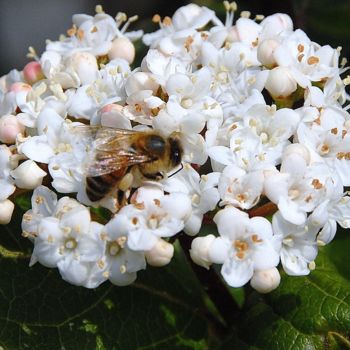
(25, 23)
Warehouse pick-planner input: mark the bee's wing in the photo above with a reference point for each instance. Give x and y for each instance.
(107, 162)
(112, 150)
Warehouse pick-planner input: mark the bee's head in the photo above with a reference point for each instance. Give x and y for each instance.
(175, 151)
(155, 145)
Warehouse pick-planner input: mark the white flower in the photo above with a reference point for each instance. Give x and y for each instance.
(172, 35)
(93, 34)
(328, 140)
(240, 188)
(43, 205)
(152, 216)
(108, 88)
(202, 191)
(7, 163)
(244, 246)
(120, 264)
(70, 241)
(332, 210)
(58, 145)
(298, 244)
(298, 188)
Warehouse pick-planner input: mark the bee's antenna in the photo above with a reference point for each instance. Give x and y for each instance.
(182, 166)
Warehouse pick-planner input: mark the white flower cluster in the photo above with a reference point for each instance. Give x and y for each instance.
(257, 107)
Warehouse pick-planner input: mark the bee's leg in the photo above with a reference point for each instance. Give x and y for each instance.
(126, 182)
(121, 198)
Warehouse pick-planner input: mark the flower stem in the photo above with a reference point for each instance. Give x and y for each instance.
(213, 286)
(265, 210)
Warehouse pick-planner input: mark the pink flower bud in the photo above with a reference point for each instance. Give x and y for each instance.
(265, 281)
(32, 72)
(122, 48)
(85, 65)
(10, 127)
(6, 210)
(111, 107)
(161, 254)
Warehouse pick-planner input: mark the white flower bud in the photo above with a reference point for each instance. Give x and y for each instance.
(277, 23)
(232, 35)
(280, 82)
(122, 48)
(200, 249)
(185, 15)
(161, 254)
(265, 52)
(28, 175)
(85, 65)
(6, 210)
(265, 281)
(296, 149)
(140, 81)
(10, 127)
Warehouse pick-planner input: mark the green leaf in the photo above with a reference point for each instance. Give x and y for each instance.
(38, 310)
(311, 312)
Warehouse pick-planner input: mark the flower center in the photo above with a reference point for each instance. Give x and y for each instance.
(70, 244)
(114, 247)
(241, 248)
(186, 103)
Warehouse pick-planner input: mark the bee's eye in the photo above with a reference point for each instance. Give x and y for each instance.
(175, 151)
(155, 145)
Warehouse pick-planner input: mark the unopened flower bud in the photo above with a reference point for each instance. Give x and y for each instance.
(277, 23)
(161, 254)
(265, 52)
(6, 210)
(265, 281)
(296, 149)
(200, 249)
(10, 127)
(20, 87)
(85, 65)
(280, 82)
(140, 81)
(122, 48)
(185, 16)
(28, 175)
(232, 35)
(32, 72)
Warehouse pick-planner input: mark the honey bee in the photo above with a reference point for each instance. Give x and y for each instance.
(119, 155)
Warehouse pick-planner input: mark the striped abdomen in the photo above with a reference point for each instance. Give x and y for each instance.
(98, 187)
